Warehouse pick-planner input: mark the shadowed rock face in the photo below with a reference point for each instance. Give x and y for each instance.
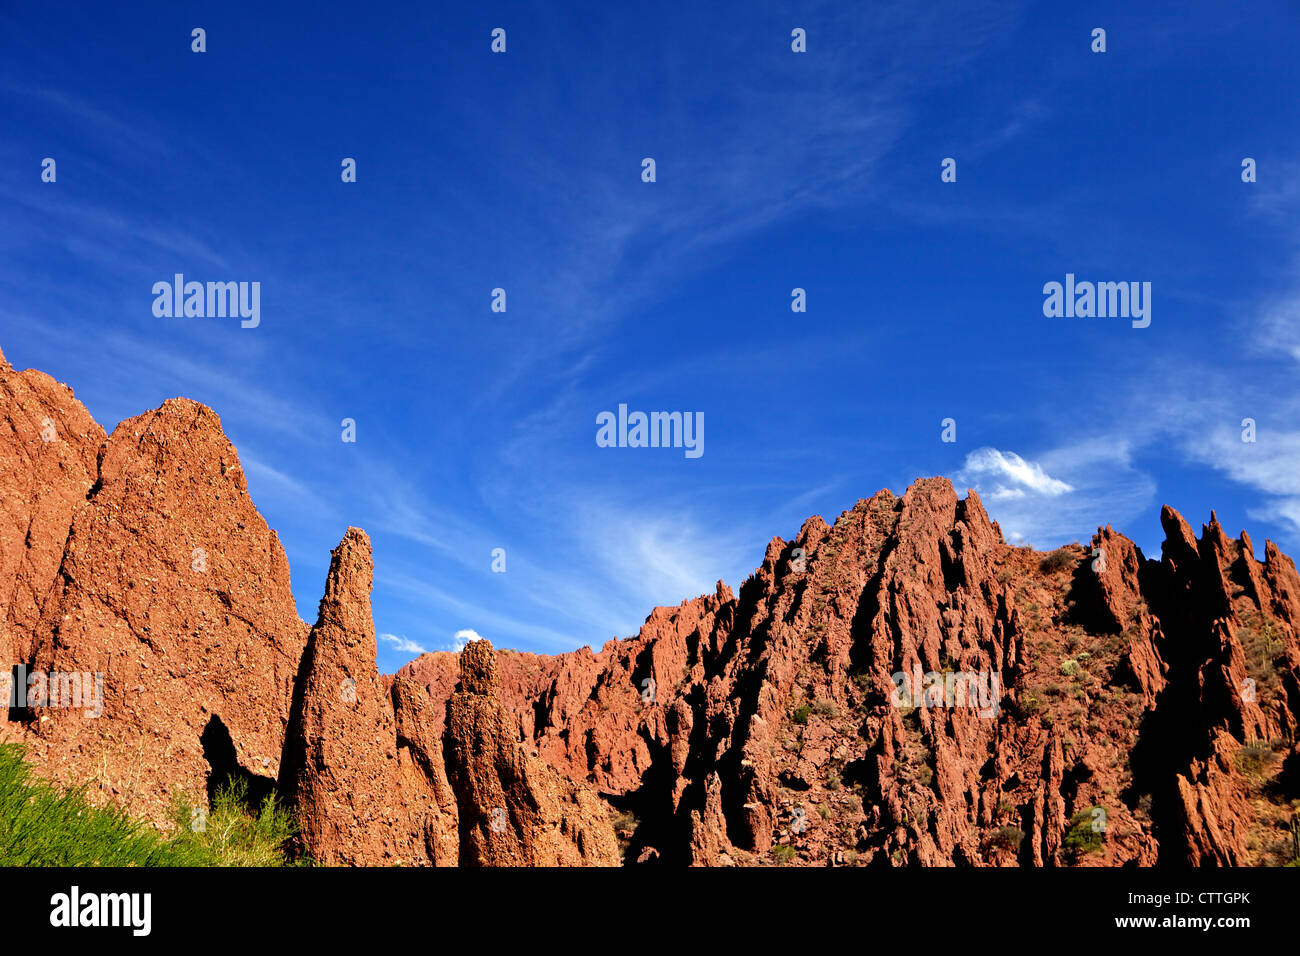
(1090, 707)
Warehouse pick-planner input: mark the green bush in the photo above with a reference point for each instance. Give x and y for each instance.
(41, 825)
(1058, 560)
(782, 853)
(229, 834)
(1082, 836)
(1008, 838)
(801, 713)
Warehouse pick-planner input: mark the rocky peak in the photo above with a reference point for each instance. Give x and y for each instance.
(478, 669)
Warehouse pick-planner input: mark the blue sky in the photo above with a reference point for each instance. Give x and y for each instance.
(775, 170)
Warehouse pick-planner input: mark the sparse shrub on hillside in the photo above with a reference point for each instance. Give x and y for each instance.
(800, 715)
(782, 854)
(1256, 758)
(1008, 838)
(1058, 560)
(627, 821)
(1070, 667)
(825, 708)
(1260, 644)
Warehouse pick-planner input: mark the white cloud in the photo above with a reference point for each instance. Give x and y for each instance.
(403, 644)
(1007, 475)
(1063, 494)
(463, 637)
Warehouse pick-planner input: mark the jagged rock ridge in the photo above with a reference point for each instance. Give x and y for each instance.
(1145, 709)
(1146, 713)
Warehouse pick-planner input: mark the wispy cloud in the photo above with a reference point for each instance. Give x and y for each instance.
(1061, 495)
(1000, 474)
(402, 644)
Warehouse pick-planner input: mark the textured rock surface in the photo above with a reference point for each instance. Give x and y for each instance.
(514, 809)
(48, 448)
(1143, 706)
(363, 756)
(168, 583)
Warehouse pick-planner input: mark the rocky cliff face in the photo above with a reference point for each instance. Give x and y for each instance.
(900, 687)
(145, 562)
(903, 687)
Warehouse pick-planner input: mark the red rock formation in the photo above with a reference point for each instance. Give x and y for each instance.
(1126, 690)
(167, 583)
(514, 809)
(48, 446)
(1088, 707)
(341, 768)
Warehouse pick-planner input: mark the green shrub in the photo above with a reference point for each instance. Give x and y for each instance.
(1084, 836)
(801, 713)
(1070, 668)
(782, 853)
(229, 834)
(41, 825)
(1058, 560)
(1008, 838)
